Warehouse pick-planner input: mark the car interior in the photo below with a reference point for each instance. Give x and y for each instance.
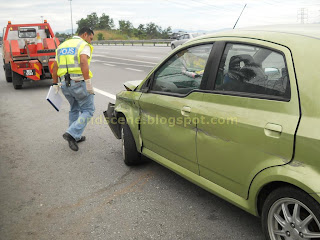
(245, 74)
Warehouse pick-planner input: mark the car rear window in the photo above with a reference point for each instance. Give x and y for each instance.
(254, 70)
(27, 33)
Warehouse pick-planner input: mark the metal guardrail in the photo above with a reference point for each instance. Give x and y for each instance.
(132, 42)
(128, 42)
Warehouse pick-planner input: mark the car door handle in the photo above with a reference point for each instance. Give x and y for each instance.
(273, 130)
(185, 111)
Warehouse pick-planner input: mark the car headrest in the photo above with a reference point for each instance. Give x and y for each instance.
(235, 61)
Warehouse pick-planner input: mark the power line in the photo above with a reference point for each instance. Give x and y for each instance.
(204, 4)
(214, 6)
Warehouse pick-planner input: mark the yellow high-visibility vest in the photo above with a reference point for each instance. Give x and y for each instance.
(68, 56)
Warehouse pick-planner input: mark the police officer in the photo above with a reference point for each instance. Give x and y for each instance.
(72, 68)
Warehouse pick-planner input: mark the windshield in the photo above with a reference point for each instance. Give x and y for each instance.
(27, 33)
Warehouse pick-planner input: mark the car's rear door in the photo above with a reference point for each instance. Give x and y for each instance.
(168, 108)
(250, 115)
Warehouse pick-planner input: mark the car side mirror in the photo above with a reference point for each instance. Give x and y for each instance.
(146, 86)
(145, 90)
(272, 72)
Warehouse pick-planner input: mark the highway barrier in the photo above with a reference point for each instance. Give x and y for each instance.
(129, 42)
(132, 42)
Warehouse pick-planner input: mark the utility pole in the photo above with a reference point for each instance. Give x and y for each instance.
(71, 18)
(302, 15)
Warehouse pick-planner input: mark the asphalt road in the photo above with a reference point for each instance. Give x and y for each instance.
(48, 191)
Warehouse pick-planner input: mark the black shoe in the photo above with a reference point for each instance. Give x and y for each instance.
(82, 139)
(72, 142)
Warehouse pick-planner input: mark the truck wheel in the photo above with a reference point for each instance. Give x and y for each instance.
(7, 71)
(129, 150)
(290, 213)
(17, 80)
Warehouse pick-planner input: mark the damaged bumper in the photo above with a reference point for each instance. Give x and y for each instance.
(112, 121)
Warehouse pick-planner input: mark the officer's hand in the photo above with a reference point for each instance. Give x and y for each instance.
(89, 86)
(56, 87)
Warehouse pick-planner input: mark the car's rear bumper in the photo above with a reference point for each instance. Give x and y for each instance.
(112, 120)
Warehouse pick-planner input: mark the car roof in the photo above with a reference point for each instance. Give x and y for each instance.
(276, 33)
(302, 40)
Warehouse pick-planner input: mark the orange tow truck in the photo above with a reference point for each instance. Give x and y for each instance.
(28, 52)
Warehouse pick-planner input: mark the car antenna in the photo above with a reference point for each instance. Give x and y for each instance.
(239, 16)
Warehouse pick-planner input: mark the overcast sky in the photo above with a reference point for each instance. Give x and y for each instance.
(179, 14)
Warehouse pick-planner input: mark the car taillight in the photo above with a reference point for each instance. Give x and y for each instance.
(23, 65)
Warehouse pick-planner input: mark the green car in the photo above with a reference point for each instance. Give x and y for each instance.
(237, 114)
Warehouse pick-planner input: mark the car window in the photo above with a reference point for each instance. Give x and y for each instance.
(27, 33)
(183, 72)
(186, 36)
(251, 69)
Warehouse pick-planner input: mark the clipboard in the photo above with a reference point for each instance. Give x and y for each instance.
(55, 99)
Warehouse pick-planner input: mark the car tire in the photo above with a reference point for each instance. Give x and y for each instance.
(279, 220)
(130, 154)
(17, 80)
(8, 73)
(173, 46)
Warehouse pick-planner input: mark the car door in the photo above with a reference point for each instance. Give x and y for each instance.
(250, 116)
(168, 107)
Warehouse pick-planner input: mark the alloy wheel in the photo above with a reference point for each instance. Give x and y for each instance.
(290, 219)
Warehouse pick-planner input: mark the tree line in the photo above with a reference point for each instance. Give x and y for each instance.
(143, 31)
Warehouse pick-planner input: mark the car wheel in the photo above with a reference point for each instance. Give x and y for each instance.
(173, 46)
(290, 214)
(17, 80)
(129, 150)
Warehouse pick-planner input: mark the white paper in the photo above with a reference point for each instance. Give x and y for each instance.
(54, 98)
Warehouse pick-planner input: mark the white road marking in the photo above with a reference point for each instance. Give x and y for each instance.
(100, 52)
(132, 69)
(131, 60)
(146, 56)
(96, 60)
(107, 64)
(109, 95)
(119, 63)
(136, 65)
